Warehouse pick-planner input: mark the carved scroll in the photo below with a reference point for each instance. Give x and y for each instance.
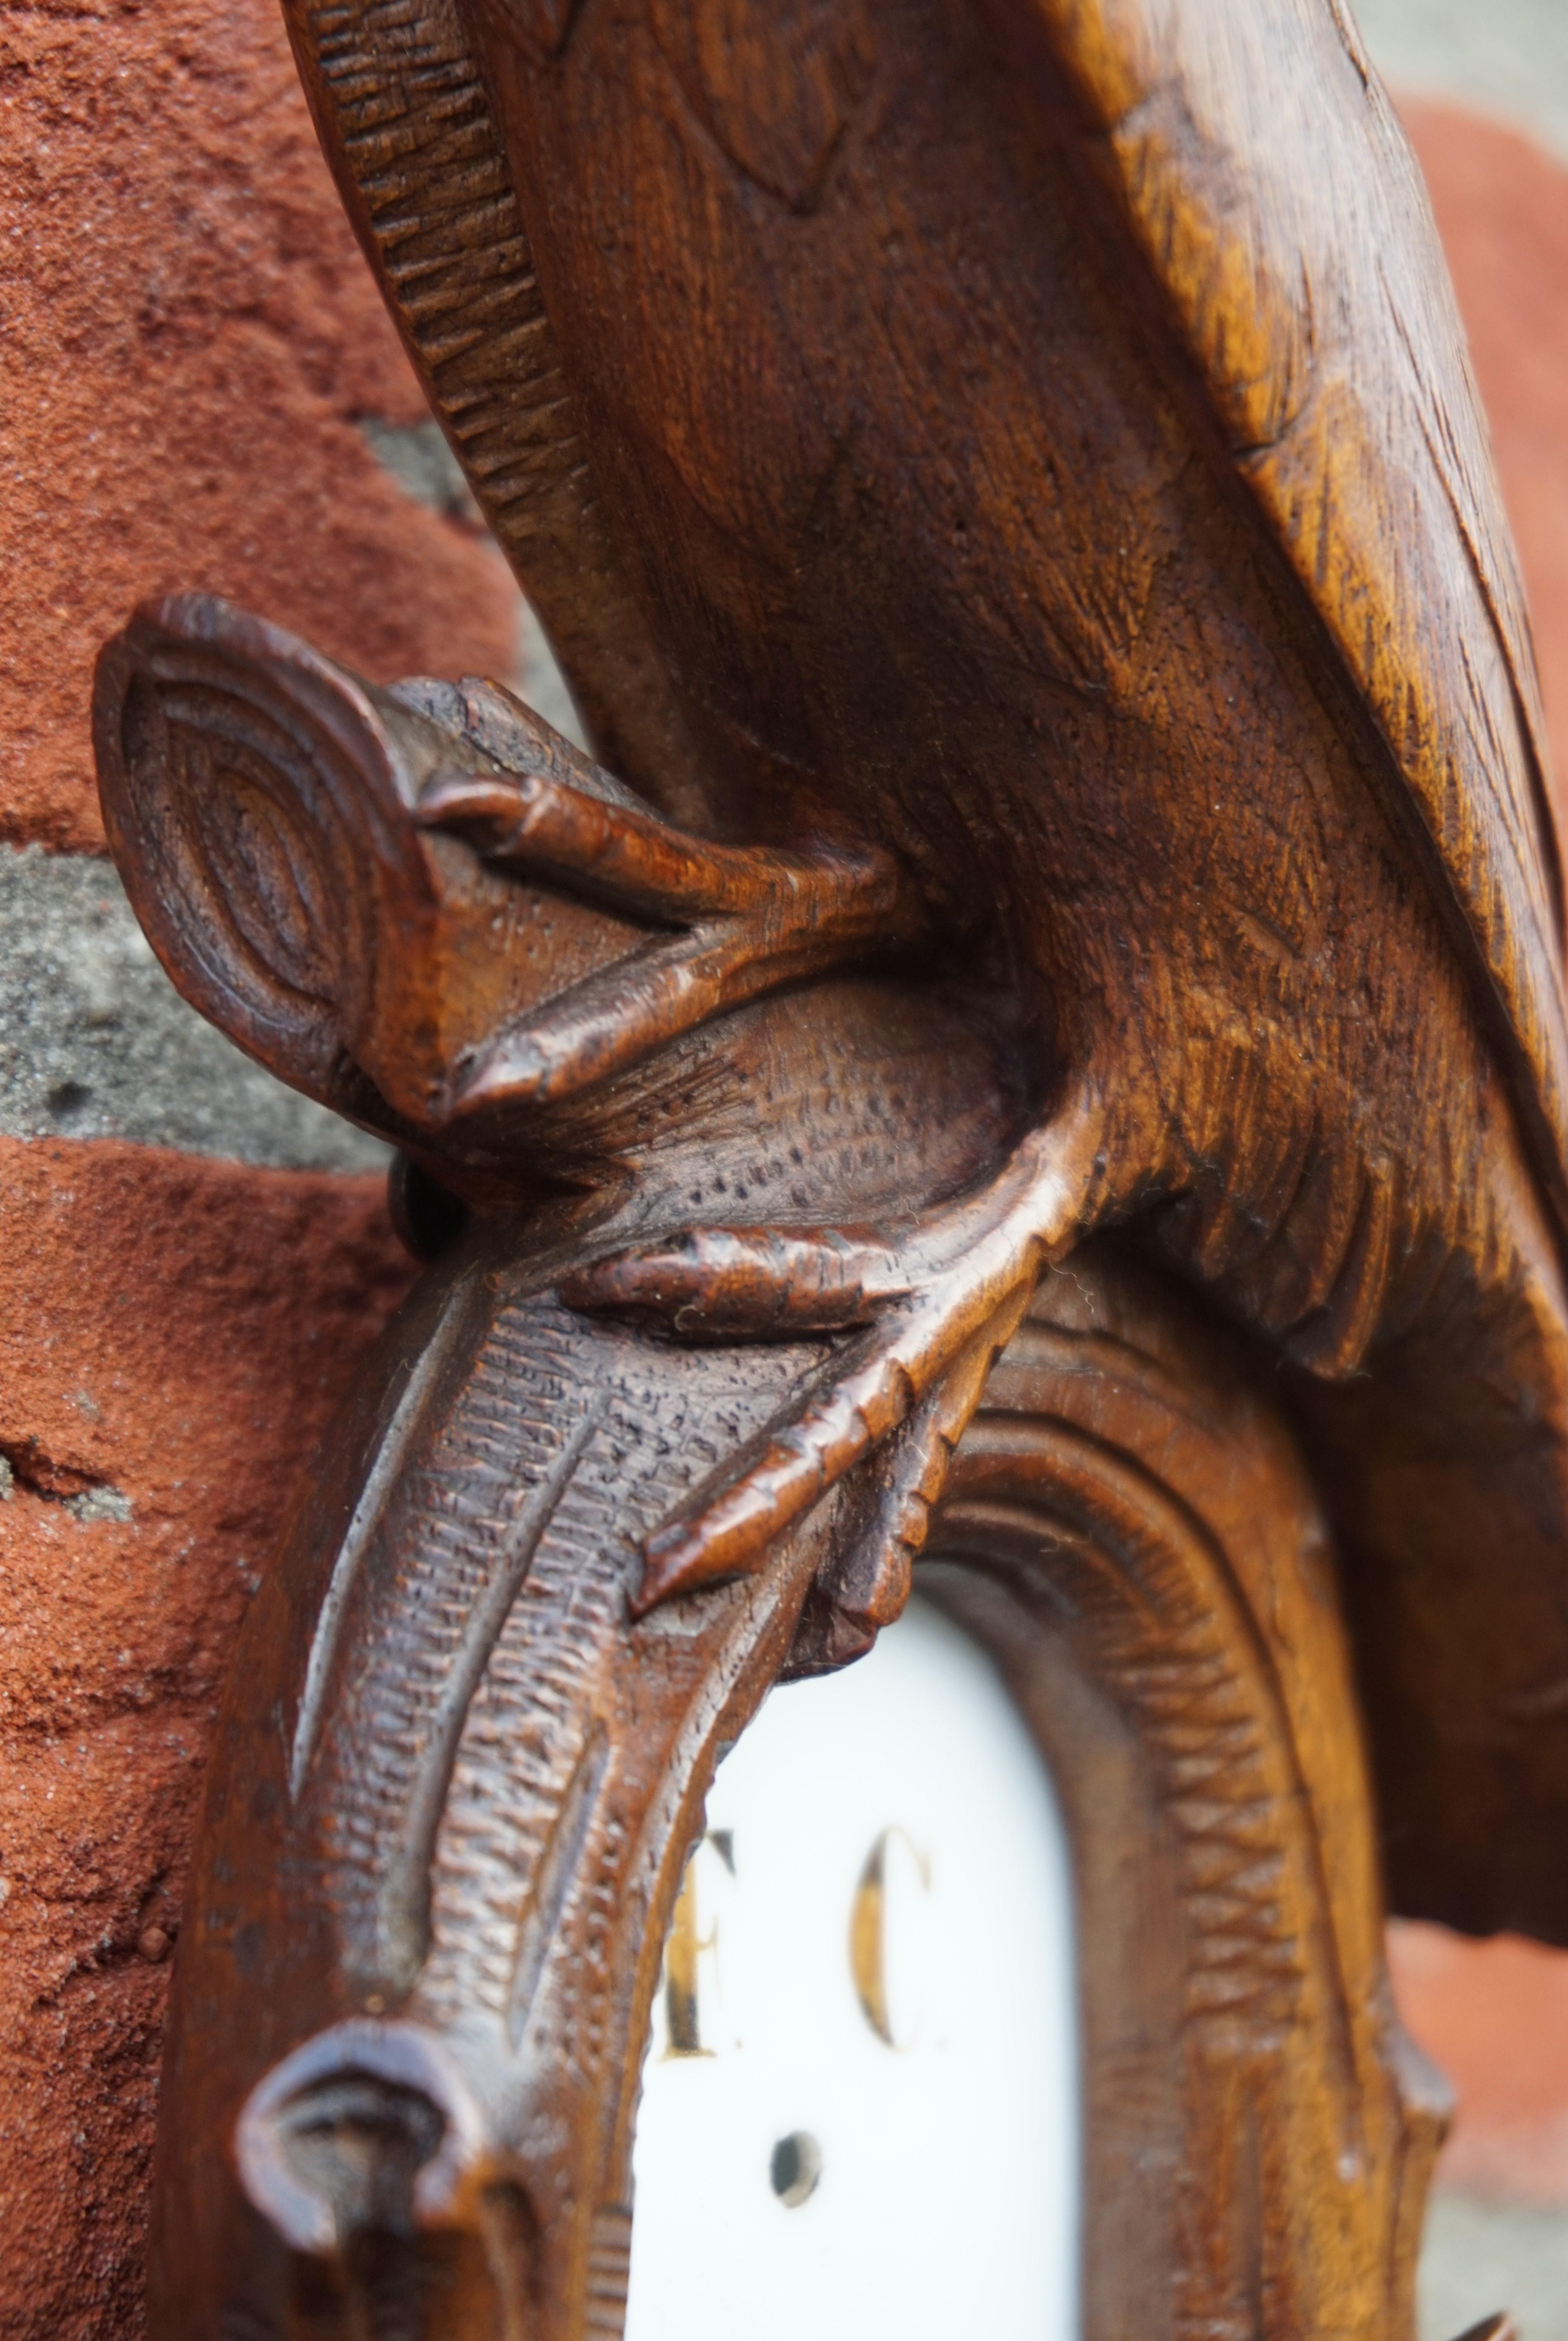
(986, 487)
(455, 1786)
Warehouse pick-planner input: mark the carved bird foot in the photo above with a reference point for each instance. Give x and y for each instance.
(927, 1312)
(427, 910)
(927, 1306)
(739, 921)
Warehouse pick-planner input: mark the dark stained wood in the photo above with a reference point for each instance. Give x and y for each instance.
(1127, 1528)
(1041, 446)
(438, 1861)
(1063, 907)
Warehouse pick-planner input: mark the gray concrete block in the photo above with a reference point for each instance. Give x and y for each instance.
(1508, 58)
(423, 466)
(1478, 2257)
(95, 1042)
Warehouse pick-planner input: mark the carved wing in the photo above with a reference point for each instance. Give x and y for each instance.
(402, 112)
(1253, 154)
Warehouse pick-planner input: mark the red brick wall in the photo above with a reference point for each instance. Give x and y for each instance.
(193, 337)
(1496, 2016)
(193, 332)
(174, 1334)
(189, 336)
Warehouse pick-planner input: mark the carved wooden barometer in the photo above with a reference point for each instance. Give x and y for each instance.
(1030, 1060)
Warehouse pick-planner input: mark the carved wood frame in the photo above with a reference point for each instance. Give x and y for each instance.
(1126, 1531)
(457, 1775)
(1129, 1532)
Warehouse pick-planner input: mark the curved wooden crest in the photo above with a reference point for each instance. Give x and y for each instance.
(1070, 825)
(424, 1936)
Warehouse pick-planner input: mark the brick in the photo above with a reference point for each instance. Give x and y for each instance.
(197, 333)
(173, 1333)
(1502, 206)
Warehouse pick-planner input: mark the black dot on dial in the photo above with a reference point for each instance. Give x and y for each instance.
(795, 2166)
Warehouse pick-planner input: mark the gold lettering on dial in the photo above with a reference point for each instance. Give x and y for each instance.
(868, 1937)
(682, 1952)
(868, 1934)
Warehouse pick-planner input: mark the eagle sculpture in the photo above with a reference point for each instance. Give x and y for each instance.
(1006, 488)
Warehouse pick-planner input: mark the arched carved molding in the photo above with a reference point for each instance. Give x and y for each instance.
(1128, 1530)
(454, 1788)
(447, 1817)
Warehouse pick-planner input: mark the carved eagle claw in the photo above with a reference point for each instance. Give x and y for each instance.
(937, 1306)
(731, 922)
(426, 909)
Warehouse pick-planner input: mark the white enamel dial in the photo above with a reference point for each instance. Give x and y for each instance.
(860, 2110)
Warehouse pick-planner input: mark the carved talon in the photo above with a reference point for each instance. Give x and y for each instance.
(942, 1305)
(881, 1529)
(905, 1357)
(746, 920)
(726, 1284)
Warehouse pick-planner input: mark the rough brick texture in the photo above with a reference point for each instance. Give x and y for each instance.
(190, 341)
(1496, 2015)
(193, 332)
(1501, 206)
(174, 1334)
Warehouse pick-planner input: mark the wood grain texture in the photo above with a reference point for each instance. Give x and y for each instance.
(1064, 922)
(1330, 346)
(465, 1894)
(1128, 1531)
(1162, 629)
(427, 1964)
(433, 203)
